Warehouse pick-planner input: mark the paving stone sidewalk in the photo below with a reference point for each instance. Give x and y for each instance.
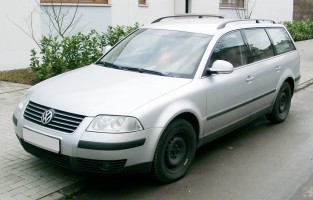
(23, 176)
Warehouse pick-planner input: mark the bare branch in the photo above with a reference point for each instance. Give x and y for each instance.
(60, 17)
(51, 18)
(246, 11)
(30, 33)
(74, 25)
(72, 21)
(252, 9)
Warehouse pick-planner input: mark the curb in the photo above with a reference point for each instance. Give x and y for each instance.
(304, 84)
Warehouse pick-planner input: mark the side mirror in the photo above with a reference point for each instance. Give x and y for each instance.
(106, 49)
(221, 67)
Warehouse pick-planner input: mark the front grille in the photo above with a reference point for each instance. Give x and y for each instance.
(62, 121)
(80, 164)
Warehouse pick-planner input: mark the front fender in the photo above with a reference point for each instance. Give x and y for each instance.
(188, 99)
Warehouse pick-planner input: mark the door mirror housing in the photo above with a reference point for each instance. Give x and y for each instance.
(106, 49)
(221, 67)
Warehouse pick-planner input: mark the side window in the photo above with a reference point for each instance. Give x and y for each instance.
(259, 43)
(230, 48)
(281, 40)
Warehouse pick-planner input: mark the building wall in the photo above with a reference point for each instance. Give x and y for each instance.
(179, 7)
(14, 44)
(128, 12)
(205, 7)
(89, 17)
(278, 10)
(303, 9)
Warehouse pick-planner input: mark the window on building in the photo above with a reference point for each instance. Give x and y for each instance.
(142, 2)
(232, 3)
(76, 1)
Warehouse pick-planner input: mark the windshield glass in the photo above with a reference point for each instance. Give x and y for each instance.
(163, 52)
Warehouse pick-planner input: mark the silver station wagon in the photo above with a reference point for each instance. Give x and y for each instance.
(159, 94)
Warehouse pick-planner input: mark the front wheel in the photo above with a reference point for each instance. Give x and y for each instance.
(175, 151)
(282, 105)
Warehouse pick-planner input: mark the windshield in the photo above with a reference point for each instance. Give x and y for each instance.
(161, 52)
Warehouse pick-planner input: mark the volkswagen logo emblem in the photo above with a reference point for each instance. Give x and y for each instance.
(47, 116)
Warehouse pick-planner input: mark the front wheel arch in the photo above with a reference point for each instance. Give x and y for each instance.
(193, 120)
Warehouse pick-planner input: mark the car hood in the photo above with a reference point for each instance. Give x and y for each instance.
(95, 90)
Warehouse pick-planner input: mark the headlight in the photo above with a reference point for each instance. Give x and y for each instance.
(24, 100)
(22, 103)
(114, 124)
(18, 110)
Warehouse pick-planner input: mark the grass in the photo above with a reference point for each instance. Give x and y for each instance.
(23, 76)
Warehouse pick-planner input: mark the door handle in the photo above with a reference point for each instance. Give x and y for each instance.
(249, 78)
(278, 68)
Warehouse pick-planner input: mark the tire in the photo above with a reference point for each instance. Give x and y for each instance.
(175, 152)
(282, 105)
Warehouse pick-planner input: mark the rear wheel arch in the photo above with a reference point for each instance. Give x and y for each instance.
(281, 104)
(291, 82)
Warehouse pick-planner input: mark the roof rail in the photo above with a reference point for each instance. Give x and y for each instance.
(258, 21)
(192, 15)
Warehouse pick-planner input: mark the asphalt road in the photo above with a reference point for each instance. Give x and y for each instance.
(258, 161)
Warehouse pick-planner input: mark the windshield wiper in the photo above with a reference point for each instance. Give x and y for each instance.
(141, 70)
(110, 65)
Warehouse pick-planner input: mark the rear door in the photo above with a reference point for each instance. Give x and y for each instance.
(266, 68)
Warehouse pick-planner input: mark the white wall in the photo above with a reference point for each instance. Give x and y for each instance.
(205, 6)
(14, 44)
(88, 16)
(127, 12)
(180, 7)
(278, 10)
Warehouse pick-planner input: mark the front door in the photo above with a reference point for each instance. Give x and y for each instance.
(229, 95)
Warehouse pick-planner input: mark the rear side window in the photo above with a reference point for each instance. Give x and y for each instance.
(230, 48)
(259, 43)
(281, 40)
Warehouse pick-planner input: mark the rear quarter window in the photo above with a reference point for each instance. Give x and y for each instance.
(281, 40)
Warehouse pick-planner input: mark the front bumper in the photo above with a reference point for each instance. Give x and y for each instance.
(94, 152)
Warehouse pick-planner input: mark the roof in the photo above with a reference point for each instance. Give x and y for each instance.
(205, 25)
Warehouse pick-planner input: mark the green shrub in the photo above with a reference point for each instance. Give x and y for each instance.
(115, 34)
(300, 30)
(58, 55)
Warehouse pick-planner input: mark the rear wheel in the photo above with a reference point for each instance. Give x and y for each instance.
(175, 151)
(282, 105)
